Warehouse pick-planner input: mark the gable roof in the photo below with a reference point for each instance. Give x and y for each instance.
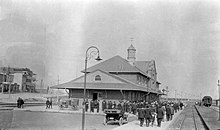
(119, 64)
(125, 85)
(131, 47)
(114, 64)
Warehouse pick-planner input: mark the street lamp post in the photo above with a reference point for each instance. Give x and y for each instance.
(219, 100)
(84, 90)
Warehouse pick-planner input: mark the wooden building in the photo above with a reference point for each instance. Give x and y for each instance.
(117, 79)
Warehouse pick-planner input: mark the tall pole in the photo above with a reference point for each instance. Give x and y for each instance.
(8, 80)
(219, 99)
(84, 95)
(84, 89)
(3, 82)
(175, 94)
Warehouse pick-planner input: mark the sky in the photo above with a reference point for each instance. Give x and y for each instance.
(51, 36)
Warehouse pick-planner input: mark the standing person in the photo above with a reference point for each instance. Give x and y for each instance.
(134, 108)
(160, 115)
(104, 105)
(87, 105)
(50, 103)
(168, 112)
(109, 104)
(19, 102)
(153, 114)
(125, 106)
(148, 115)
(129, 107)
(119, 106)
(91, 106)
(97, 105)
(181, 105)
(175, 107)
(114, 105)
(141, 115)
(164, 110)
(22, 103)
(47, 103)
(171, 112)
(178, 106)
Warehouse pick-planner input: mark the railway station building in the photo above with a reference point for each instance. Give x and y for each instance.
(117, 79)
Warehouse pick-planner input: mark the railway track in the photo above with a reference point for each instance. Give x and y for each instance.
(189, 119)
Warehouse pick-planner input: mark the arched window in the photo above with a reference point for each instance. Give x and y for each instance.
(97, 78)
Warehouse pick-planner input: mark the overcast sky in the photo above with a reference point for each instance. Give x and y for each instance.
(51, 37)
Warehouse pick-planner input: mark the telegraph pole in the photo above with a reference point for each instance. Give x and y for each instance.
(8, 80)
(175, 94)
(3, 81)
(219, 99)
(58, 80)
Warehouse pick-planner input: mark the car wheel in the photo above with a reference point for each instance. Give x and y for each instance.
(120, 121)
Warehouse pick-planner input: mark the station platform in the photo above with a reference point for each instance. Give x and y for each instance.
(211, 116)
(135, 125)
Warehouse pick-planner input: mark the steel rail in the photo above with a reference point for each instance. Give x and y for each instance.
(181, 123)
(194, 120)
(203, 121)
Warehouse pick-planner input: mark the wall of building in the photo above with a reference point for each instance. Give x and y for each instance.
(18, 79)
(112, 95)
(130, 77)
(104, 78)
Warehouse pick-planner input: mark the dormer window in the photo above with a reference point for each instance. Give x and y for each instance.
(97, 78)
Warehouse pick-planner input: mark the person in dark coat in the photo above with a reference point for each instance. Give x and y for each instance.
(171, 112)
(92, 106)
(104, 105)
(119, 106)
(50, 103)
(168, 112)
(114, 105)
(148, 115)
(87, 105)
(109, 104)
(160, 115)
(22, 103)
(47, 103)
(134, 108)
(19, 102)
(153, 114)
(97, 105)
(125, 106)
(175, 107)
(141, 116)
(181, 105)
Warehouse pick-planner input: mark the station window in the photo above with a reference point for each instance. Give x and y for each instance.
(97, 78)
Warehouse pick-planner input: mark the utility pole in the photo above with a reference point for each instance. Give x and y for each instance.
(175, 94)
(58, 80)
(167, 92)
(219, 99)
(8, 80)
(3, 80)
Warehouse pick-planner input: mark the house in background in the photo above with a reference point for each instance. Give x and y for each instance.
(117, 79)
(22, 79)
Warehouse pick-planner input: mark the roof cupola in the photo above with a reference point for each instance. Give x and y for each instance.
(131, 55)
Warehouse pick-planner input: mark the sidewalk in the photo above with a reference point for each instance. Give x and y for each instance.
(135, 125)
(55, 109)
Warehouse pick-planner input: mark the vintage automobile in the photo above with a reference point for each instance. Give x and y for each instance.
(115, 115)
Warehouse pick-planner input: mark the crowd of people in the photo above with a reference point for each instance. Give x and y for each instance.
(149, 112)
(161, 111)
